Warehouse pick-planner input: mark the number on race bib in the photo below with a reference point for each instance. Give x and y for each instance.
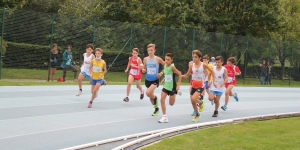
(133, 71)
(229, 79)
(96, 69)
(151, 71)
(168, 78)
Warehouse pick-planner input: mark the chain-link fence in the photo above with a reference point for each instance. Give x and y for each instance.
(27, 39)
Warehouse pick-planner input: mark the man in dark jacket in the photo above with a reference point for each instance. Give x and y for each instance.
(67, 63)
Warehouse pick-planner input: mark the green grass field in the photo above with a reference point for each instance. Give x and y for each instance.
(21, 77)
(275, 134)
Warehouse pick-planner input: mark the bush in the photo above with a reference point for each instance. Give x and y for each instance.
(29, 56)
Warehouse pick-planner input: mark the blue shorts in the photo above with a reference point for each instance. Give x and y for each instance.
(206, 85)
(217, 93)
(94, 82)
(85, 75)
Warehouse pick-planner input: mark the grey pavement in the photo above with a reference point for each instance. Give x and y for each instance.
(52, 117)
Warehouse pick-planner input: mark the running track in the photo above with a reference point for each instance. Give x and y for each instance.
(52, 117)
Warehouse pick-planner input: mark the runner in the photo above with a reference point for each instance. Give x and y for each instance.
(233, 71)
(221, 78)
(135, 74)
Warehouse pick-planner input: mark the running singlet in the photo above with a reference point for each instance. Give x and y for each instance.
(231, 73)
(135, 71)
(97, 69)
(219, 78)
(169, 77)
(152, 69)
(198, 76)
(86, 67)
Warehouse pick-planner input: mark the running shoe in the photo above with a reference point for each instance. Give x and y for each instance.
(142, 95)
(79, 93)
(201, 106)
(224, 107)
(126, 99)
(215, 114)
(196, 118)
(193, 114)
(156, 112)
(236, 97)
(163, 120)
(90, 105)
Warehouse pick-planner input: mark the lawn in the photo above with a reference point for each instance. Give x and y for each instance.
(39, 77)
(273, 134)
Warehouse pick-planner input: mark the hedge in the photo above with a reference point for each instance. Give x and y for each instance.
(29, 56)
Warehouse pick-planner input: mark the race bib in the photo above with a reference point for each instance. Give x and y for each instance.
(220, 81)
(168, 78)
(133, 71)
(151, 71)
(230, 79)
(206, 78)
(96, 69)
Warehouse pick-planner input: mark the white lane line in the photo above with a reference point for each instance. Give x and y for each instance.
(118, 122)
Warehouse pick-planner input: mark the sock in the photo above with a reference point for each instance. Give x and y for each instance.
(165, 116)
(80, 90)
(91, 102)
(156, 109)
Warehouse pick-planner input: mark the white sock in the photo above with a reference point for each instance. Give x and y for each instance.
(165, 116)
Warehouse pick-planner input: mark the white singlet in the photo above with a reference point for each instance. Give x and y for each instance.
(86, 67)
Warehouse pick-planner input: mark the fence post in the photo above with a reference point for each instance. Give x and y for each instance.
(94, 32)
(221, 46)
(291, 62)
(270, 57)
(1, 49)
(194, 34)
(51, 43)
(246, 60)
(164, 45)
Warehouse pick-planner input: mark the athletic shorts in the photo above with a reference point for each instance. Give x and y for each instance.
(85, 75)
(149, 83)
(136, 77)
(191, 82)
(227, 84)
(94, 82)
(217, 93)
(53, 65)
(170, 93)
(200, 90)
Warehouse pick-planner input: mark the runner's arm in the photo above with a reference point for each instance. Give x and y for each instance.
(175, 70)
(188, 73)
(225, 76)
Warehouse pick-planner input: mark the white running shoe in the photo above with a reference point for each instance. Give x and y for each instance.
(79, 93)
(163, 120)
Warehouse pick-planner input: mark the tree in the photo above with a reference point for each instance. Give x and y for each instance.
(290, 32)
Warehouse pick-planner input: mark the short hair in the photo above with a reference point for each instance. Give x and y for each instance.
(69, 46)
(54, 45)
(170, 55)
(197, 52)
(99, 49)
(90, 46)
(205, 57)
(151, 45)
(136, 49)
(219, 58)
(231, 59)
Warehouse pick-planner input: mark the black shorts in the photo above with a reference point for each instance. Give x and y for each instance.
(53, 66)
(200, 90)
(149, 83)
(170, 93)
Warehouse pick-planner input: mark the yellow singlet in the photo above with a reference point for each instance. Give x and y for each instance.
(97, 69)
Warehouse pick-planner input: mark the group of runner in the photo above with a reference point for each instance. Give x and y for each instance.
(206, 77)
